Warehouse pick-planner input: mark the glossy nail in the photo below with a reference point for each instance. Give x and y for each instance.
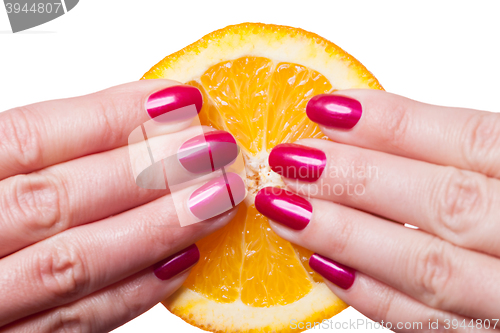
(208, 152)
(217, 196)
(177, 263)
(297, 162)
(334, 272)
(173, 98)
(284, 207)
(334, 111)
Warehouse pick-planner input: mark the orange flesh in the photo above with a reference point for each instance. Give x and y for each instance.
(262, 104)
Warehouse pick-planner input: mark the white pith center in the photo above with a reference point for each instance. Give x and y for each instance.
(259, 174)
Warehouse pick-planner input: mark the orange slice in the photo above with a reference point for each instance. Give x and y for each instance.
(256, 80)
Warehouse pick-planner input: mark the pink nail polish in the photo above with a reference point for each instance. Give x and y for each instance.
(334, 111)
(297, 162)
(173, 98)
(334, 272)
(177, 263)
(284, 207)
(208, 152)
(217, 196)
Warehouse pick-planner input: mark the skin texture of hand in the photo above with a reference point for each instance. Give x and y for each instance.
(82, 247)
(394, 161)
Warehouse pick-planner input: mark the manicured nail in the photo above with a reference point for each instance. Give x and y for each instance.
(177, 263)
(217, 196)
(336, 273)
(297, 162)
(208, 152)
(334, 111)
(284, 207)
(173, 98)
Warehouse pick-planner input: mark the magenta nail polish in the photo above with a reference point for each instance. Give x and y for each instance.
(217, 196)
(173, 98)
(336, 273)
(208, 152)
(297, 162)
(177, 263)
(334, 111)
(284, 207)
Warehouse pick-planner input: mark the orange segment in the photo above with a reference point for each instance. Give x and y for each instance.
(271, 274)
(256, 80)
(304, 254)
(217, 274)
(209, 115)
(292, 86)
(243, 107)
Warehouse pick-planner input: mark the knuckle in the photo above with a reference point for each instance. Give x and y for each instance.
(61, 271)
(68, 321)
(460, 201)
(131, 301)
(112, 112)
(341, 225)
(385, 304)
(35, 202)
(431, 269)
(20, 138)
(395, 125)
(482, 139)
(104, 114)
(161, 225)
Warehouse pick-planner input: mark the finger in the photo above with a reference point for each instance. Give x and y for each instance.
(432, 271)
(38, 135)
(84, 259)
(464, 138)
(459, 206)
(387, 306)
(110, 307)
(41, 204)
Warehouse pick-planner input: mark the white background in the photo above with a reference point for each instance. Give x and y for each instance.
(441, 52)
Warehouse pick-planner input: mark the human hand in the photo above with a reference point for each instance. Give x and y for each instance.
(78, 238)
(395, 161)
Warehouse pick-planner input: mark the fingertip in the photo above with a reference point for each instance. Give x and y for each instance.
(174, 102)
(341, 275)
(335, 111)
(177, 263)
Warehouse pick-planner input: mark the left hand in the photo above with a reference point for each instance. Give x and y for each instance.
(395, 161)
(82, 247)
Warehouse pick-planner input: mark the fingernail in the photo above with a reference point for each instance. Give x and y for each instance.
(177, 263)
(334, 111)
(217, 196)
(297, 162)
(284, 207)
(208, 152)
(173, 98)
(336, 273)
